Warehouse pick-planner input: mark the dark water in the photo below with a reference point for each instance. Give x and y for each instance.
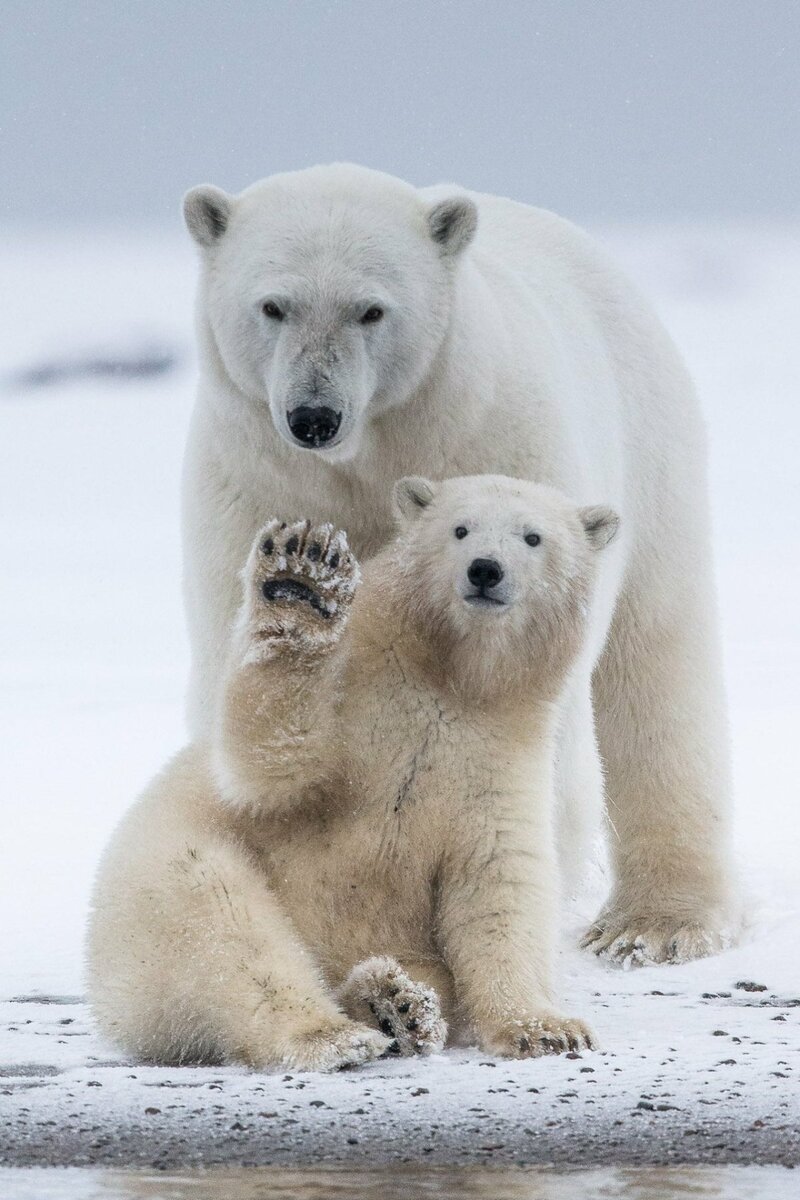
(399, 1183)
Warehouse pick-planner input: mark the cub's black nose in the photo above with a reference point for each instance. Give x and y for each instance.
(313, 426)
(484, 573)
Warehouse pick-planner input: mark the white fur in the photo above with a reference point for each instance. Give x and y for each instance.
(518, 348)
(372, 828)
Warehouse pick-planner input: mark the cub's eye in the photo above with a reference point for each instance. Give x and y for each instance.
(371, 315)
(461, 531)
(532, 539)
(271, 310)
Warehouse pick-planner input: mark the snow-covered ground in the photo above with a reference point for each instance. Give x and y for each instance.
(94, 660)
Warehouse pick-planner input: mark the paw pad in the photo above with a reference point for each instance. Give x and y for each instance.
(303, 574)
(407, 1012)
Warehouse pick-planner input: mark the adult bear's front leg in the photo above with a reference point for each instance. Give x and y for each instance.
(659, 707)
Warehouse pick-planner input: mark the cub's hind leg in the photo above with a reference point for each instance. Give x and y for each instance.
(191, 957)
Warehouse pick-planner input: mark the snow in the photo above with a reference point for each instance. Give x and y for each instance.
(94, 656)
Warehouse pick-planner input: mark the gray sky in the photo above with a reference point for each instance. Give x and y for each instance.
(600, 109)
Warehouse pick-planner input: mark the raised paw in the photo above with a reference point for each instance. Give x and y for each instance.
(344, 1044)
(534, 1035)
(630, 942)
(408, 1013)
(300, 580)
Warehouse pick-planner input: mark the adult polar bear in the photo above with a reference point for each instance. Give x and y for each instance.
(354, 329)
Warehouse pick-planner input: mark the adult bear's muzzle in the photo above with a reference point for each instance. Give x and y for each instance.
(313, 426)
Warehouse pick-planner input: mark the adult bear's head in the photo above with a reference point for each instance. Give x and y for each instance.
(326, 294)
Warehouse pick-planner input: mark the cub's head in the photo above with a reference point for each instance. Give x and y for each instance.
(326, 294)
(499, 565)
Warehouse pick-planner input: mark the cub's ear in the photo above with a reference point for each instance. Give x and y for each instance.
(411, 496)
(452, 224)
(206, 211)
(601, 524)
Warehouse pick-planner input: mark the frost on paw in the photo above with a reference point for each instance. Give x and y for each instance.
(345, 1045)
(532, 1036)
(299, 580)
(409, 1013)
(631, 943)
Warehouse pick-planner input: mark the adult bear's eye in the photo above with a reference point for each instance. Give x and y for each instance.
(461, 531)
(372, 315)
(532, 539)
(271, 310)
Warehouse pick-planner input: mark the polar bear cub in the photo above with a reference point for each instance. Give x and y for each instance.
(363, 856)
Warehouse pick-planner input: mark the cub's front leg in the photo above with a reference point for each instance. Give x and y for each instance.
(275, 736)
(497, 921)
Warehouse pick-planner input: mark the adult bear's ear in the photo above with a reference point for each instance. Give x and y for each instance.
(206, 211)
(601, 524)
(452, 224)
(412, 495)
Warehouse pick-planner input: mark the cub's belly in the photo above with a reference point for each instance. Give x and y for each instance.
(354, 893)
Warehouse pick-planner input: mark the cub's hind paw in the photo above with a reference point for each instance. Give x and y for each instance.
(301, 579)
(378, 990)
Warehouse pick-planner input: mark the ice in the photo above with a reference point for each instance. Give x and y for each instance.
(393, 1183)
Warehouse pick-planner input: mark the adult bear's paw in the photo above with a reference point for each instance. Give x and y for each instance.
(301, 579)
(631, 941)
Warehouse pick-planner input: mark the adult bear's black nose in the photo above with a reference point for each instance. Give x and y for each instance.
(484, 573)
(312, 426)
